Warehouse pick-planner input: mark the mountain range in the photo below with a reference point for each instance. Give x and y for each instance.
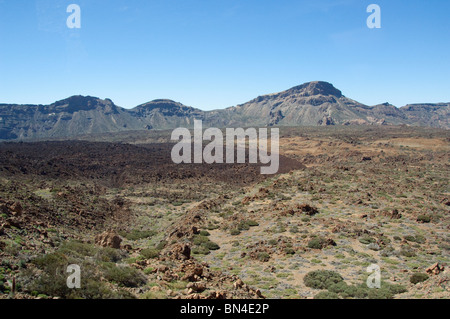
(310, 104)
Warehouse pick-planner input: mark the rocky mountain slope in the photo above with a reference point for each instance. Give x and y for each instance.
(310, 104)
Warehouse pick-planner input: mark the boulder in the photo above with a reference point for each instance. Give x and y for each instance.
(435, 269)
(108, 239)
(179, 251)
(16, 209)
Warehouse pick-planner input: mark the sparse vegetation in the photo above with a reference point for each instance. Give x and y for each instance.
(418, 277)
(185, 231)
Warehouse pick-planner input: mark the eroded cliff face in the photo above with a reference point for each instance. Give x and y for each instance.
(311, 104)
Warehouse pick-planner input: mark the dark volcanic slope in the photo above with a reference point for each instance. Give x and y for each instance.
(310, 104)
(116, 165)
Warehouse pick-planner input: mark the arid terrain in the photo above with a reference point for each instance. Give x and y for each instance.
(139, 226)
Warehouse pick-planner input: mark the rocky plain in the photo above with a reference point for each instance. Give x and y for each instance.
(139, 226)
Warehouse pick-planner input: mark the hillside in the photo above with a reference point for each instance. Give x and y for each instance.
(310, 104)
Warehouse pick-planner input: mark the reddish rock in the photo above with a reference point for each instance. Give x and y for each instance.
(435, 269)
(16, 209)
(108, 239)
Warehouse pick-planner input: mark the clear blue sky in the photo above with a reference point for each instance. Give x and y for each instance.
(215, 53)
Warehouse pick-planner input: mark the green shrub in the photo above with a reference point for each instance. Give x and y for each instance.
(243, 226)
(387, 291)
(162, 244)
(77, 249)
(51, 262)
(289, 251)
(326, 295)
(204, 233)
(338, 287)
(109, 254)
(200, 250)
(322, 279)
(252, 223)
(212, 227)
(273, 242)
(150, 253)
(424, 219)
(407, 252)
(199, 239)
(211, 245)
(137, 234)
(235, 232)
(361, 291)
(366, 240)
(418, 277)
(263, 256)
(294, 229)
(317, 243)
(124, 276)
(95, 289)
(416, 239)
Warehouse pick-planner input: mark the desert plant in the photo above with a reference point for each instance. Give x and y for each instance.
(124, 276)
(418, 277)
(317, 243)
(326, 295)
(150, 253)
(322, 279)
(235, 232)
(423, 219)
(263, 256)
(204, 233)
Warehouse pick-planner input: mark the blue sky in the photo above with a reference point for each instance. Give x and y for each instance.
(217, 53)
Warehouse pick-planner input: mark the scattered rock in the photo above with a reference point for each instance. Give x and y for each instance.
(308, 210)
(238, 284)
(16, 209)
(196, 287)
(179, 251)
(395, 214)
(108, 239)
(127, 247)
(435, 269)
(195, 230)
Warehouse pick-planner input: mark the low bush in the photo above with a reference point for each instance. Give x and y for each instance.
(211, 245)
(418, 277)
(317, 243)
(235, 232)
(204, 233)
(137, 234)
(124, 276)
(326, 295)
(200, 250)
(150, 253)
(289, 251)
(263, 256)
(423, 219)
(322, 279)
(366, 240)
